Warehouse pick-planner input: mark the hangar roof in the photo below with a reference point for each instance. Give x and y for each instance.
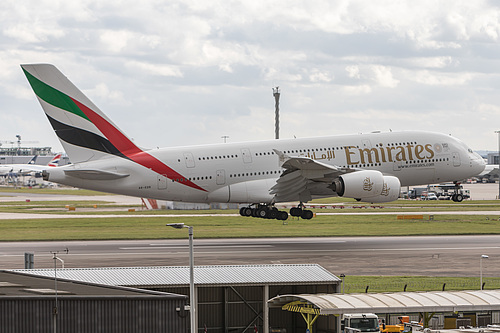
(404, 302)
(279, 274)
(14, 284)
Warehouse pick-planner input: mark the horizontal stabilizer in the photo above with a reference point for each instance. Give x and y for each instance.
(95, 174)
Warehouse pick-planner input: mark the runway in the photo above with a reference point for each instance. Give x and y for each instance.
(430, 256)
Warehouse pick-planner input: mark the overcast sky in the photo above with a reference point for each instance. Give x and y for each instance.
(187, 72)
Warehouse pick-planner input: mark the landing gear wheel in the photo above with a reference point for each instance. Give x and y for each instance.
(459, 197)
(273, 213)
(296, 211)
(247, 211)
(307, 214)
(262, 212)
(282, 215)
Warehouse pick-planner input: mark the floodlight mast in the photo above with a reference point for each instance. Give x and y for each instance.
(276, 94)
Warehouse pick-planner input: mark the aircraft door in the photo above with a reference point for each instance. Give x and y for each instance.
(220, 177)
(397, 165)
(189, 159)
(456, 159)
(161, 182)
(247, 157)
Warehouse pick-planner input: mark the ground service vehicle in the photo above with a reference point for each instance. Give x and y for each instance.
(362, 322)
(403, 326)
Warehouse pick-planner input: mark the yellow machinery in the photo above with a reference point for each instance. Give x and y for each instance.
(399, 328)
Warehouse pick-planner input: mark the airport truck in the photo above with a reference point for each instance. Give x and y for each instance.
(442, 192)
(360, 322)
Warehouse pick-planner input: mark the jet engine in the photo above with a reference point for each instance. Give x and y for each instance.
(368, 186)
(390, 191)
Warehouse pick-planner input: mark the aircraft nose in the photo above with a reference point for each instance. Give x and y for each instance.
(478, 164)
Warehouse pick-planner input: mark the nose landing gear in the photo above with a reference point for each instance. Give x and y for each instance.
(457, 195)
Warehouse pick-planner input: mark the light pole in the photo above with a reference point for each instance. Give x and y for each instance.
(484, 256)
(56, 309)
(342, 276)
(192, 303)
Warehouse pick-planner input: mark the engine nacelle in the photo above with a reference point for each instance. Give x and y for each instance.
(390, 192)
(359, 184)
(368, 186)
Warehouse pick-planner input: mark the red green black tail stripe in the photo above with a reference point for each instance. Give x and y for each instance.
(129, 149)
(82, 138)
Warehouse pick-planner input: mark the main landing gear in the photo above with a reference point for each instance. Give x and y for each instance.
(271, 212)
(264, 212)
(306, 214)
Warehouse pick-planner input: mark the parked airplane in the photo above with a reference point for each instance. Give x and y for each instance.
(6, 169)
(369, 167)
(13, 170)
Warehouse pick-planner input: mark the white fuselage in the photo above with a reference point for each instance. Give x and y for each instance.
(244, 172)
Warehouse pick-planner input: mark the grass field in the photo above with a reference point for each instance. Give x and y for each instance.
(63, 191)
(142, 227)
(361, 284)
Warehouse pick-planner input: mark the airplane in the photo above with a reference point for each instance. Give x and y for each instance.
(13, 170)
(368, 167)
(6, 169)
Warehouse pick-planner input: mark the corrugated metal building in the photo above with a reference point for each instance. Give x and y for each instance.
(28, 303)
(229, 298)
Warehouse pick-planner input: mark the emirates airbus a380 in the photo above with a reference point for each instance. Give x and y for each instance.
(368, 167)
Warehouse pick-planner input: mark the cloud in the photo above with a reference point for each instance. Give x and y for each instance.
(383, 77)
(158, 69)
(446, 79)
(210, 65)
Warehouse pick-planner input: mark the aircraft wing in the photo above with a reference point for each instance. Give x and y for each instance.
(26, 168)
(302, 177)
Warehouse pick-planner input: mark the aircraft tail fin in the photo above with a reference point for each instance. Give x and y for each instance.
(85, 132)
(55, 161)
(33, 160)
